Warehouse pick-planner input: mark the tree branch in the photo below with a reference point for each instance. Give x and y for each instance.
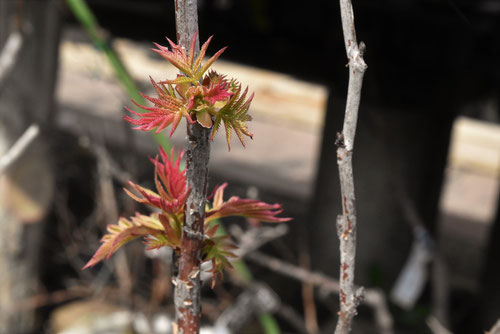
(374, 298)
(495, 329)
(349, 295)
(19, 147)
(187, 284)
(9, 54)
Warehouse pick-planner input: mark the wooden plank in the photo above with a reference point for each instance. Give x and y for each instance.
(475, 146)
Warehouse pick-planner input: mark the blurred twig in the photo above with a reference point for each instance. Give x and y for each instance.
(373, 297)
(290, 270)
(87, 19)
(436, 326)
(52, 298)
(495, 329)
(309, 305)
(9, 53)
(256, 299)
(249, 241)
(109, 212)
(254, 238)
(19, 147)
(289, 314)
(440, 291)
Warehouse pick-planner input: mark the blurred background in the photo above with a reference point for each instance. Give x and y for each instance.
(426, 165)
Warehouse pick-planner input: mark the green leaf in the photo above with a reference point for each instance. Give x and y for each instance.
(218, 251)
(234, 114)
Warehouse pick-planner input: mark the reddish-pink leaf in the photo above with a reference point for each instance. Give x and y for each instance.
(249, 208)
(167, 111)
(217, 89)
(171, 176)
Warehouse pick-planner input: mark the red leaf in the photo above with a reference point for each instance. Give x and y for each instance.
(216, 88)
(173, 180)
(249, 208)
(167, 110)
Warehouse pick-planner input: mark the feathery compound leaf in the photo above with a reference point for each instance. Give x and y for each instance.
(234, 115)
(173, 180)
(168, 110)
(192, 68)
(248, 208)
(165, 228)
(206, 66)
(170, 183)
(216, 88)
(124, 232)
(218, 251)
(177, 57)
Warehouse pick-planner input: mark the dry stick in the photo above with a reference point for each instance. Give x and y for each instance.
(374, 298)
(187, 284)
(9, 53)
(109, 209)
(346, 223)
(315, 278)
(495, 329)
(436, 326)
(19, 147)
(310, 314)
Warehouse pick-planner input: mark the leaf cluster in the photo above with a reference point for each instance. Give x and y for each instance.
(196, 94)
(164, 226)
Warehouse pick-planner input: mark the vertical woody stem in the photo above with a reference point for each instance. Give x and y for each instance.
(187, 284)
(349, 295)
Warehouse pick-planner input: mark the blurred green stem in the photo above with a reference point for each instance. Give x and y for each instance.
(87, 19)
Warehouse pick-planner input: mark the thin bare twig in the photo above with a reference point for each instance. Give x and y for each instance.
(436, 326)
(9, 53)
(495, 329)
(248, 241)
(254, 238)
(292, 317)
(374, 298)
(349, 296)
(257, 298)
(51, 298)
(310, 314)
(19, 147)
(109, 207)
(440, 284)
(318, 279)
(187, 284)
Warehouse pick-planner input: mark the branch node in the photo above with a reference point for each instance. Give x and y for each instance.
(339, 142)
(362, 48)
(359, 295)
(340, 226)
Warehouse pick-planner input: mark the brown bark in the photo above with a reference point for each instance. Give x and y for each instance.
(187, 284)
